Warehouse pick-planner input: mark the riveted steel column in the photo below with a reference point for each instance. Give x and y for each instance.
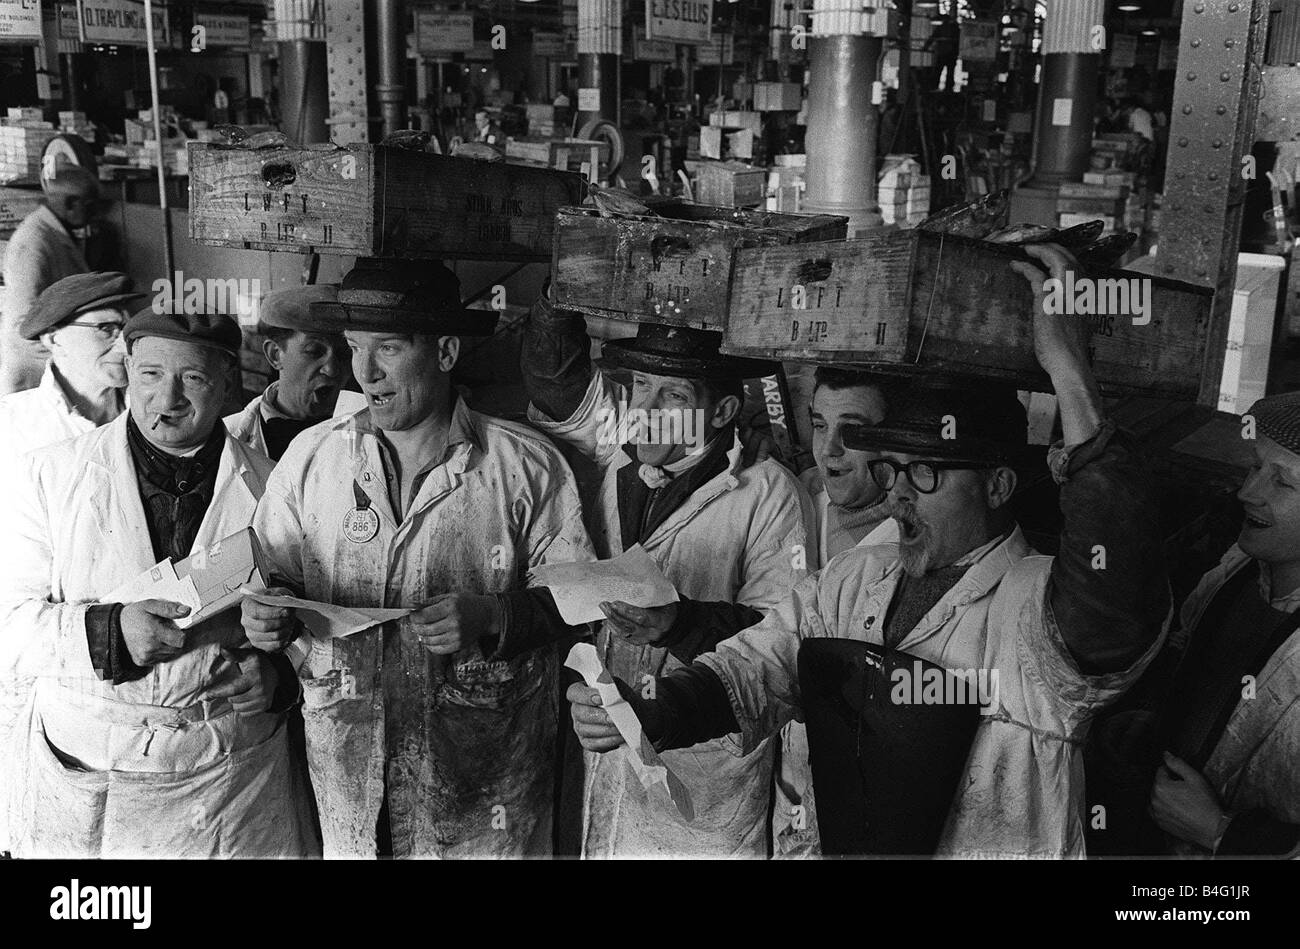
(600, 43)
(843, 60)
(1073, 36)
(390, 90)
(346, 51)
(1220, 54)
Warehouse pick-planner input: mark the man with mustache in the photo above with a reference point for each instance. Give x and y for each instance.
(1064, 636)
(312, 365)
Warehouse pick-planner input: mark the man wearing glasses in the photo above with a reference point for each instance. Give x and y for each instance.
(44, 249)
(1059, 637)
(79, 320)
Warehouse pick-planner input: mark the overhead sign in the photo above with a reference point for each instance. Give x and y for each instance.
(225, 29)
(121, 23)
(1123, 51)
(721, 49)
(442, 33)
(681, 21)
(20, 21)
(69, 25)
(549, 45)
(979, 41)
(651, 51)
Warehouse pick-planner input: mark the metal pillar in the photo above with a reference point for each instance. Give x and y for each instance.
(1220, 55)
(304, 91)
(844, 51)
(390, 43)
(600, 44)
(1067, 105)
(346, 50)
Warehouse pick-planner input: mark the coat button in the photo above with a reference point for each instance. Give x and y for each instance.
(871, 621)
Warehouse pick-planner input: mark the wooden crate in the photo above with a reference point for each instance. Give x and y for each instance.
(373, 201)
(730, 185)
(674, 268)
(912, 298)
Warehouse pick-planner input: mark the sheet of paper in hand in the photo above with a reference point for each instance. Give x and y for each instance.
(579, 588)
(660, 784)
(329, 621)
(159, 582)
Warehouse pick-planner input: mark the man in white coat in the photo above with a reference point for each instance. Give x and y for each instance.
(420, 742)
(1056, 639)
(674, 482)
(312, 366)
(144, 739)
(79, 319)
(43, 249)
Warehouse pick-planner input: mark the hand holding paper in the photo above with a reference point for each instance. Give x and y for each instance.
(660, 783)
(323, 620)
(579, 589)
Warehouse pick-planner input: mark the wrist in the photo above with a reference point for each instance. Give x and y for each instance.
(1220, 829)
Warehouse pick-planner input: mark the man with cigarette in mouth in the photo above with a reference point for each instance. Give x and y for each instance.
(312, 367)
(1066, 635)
(145, 739)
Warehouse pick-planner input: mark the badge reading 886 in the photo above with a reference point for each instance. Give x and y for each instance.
(360, 525)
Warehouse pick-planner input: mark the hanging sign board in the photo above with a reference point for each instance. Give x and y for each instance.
(651, 51)
(20, 21)
(224, 29)
(69, 25)
(441, 33)
(121, 23)
(680, 21)
(1123, 51)
(722, 49)
(979, 41)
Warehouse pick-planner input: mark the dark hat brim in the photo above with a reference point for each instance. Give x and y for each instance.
(115, 300)
(903, 441)
(230, 349)
(337, 317)
(626, 354)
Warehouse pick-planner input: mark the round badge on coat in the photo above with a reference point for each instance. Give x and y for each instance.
(360, 525)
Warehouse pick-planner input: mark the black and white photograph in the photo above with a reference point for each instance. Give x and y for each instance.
(779, 445)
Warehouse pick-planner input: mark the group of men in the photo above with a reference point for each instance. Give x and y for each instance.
(438, 733)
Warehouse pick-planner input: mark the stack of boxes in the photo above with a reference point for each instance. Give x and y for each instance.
(903, 191)
(541, 120)
(1078, 203)
(23, 137)
(730, 135)
(74, 123)
(785, 183)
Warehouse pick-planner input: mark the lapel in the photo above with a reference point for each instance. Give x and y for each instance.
(115, 497)
(368, 472)
(985, 574)
(234, 496)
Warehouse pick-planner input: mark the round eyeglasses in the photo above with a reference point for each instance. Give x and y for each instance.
(106, 330)
(923, 475)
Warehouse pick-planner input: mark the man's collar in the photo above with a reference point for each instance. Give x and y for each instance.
(1286, 603)
(270, 407)
(461, 430)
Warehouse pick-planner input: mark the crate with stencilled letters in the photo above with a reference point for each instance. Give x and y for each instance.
(671, 267)
(374, 201)
(942, 302)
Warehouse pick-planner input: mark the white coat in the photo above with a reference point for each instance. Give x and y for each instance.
(462, 747)
(742, 537)
(150, 768)
(29, 420)
(40, 253)
(1023, 791)
(246, 425)
(1254, 763)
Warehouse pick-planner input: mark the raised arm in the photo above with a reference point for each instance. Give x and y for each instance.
(556, 358)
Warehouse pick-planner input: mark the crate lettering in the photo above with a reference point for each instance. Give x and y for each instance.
(479, 203)
(304, 204)
(494, 231)
(246, 208)
(286, 200)
(327, 237)
(794, 330)
(880, 333)
(284, 232)
(266, 202)
(812, 301)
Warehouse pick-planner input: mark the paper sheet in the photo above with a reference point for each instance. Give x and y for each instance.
(160, 582)
(580, 588)
(659, 782)
(328, 621)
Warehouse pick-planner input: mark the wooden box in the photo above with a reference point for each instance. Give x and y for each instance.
(777, 96)
(913, 298)
(730, 185)
(374, 201)
(673, 268)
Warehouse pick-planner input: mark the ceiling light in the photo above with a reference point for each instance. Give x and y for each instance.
(1150, 32)
(1129, 7)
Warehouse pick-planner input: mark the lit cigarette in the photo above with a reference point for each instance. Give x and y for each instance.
(157, 418)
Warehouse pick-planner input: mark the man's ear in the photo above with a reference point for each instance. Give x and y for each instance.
(725, 411)
(47, 339)
(1000, 485)
(273, 353)
(448, 352)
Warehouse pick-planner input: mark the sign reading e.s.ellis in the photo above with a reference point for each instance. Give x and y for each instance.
(682, 21)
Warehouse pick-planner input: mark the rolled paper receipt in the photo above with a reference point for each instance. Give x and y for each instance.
(654, 775)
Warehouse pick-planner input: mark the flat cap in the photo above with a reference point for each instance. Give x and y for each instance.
(80, 293)
(1278, 418)
(206, 329)
(290, 309)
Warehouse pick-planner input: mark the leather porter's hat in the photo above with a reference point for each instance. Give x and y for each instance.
(65, 299)
(985, 421)
(401, 296)
(291, 309)
(681, 351)
(215, 330)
